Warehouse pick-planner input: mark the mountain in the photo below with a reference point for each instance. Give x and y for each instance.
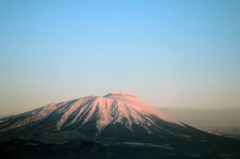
(114, 116)
(116, 119)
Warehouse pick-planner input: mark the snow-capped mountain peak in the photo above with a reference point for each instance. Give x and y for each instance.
(120, 93)
(94, 114)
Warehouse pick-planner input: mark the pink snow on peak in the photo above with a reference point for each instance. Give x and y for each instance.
(116, 107)
(134, 103)
(120, 93)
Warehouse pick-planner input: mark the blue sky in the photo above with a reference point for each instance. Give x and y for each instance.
(167, 53)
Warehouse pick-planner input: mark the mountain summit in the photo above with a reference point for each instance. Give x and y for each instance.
(117, 117)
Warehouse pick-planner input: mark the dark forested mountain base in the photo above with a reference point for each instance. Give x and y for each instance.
(21, 149)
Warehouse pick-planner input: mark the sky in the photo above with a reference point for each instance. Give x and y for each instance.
(167, 53)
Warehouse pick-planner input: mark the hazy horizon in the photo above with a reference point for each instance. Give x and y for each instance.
(166, 53)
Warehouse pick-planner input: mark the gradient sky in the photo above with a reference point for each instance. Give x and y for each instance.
(166, 53)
